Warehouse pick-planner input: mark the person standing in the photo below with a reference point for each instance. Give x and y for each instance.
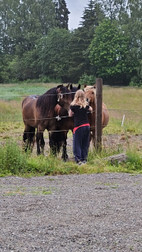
(79, 108)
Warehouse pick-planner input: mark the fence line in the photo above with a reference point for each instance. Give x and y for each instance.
(58, 118)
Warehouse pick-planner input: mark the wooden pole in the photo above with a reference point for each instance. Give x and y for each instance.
(98, 113)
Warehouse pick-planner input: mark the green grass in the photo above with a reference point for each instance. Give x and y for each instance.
(10, 92)
(13, 161)
(123, 101)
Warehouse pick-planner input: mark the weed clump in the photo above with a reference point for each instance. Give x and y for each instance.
(12, 160)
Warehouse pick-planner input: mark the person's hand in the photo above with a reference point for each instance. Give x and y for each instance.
(70, 113)
(90, 109)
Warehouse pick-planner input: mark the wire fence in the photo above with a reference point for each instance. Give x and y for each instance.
(122, 119)
(123, 113)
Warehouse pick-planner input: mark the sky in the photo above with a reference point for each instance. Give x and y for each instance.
(76, 8)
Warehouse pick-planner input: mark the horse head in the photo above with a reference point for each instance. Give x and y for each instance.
(89, 87)
(90, 94)
(64, 96)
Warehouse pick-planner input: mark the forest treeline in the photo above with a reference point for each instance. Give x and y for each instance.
(36, 44)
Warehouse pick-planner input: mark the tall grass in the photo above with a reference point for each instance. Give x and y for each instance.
(123, 101)
(13, 161)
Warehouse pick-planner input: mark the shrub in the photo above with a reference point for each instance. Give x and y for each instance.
(12, 159)
(87, 79)
(134, 162)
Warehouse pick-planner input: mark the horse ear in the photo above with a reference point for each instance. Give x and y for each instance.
(94, 85)
(59, 86)
(85, 85)
(79, 86)
(71, 86)
(68, 85)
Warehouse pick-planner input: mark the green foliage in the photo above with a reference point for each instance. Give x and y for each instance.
(87, 79)
(24, 23)
(62, 14)
(26, 36)
(12, 159)
(134, 162)
(25, 66)
(53, 52)
(110, 54)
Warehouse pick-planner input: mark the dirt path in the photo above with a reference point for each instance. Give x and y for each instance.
(87, 213)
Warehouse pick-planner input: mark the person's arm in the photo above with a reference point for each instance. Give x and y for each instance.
(71, 113)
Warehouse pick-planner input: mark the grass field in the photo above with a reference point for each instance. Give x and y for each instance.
(120, 101)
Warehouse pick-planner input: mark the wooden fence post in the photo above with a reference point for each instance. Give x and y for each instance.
(98, 113)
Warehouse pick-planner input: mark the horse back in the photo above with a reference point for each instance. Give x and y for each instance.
(29, 110)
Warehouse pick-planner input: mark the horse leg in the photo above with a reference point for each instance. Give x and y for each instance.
(64, 153)
(40, 142)
(52, 144)
(31, 138)
(26, 138)
(25, 141)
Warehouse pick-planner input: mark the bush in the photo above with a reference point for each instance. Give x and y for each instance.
(135, 82)
(134, 162)
(87, 79)
(12, 159)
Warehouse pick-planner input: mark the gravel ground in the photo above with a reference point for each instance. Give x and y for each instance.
(87, 213)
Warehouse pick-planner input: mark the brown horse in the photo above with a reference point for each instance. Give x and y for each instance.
(90, 93)
(38, 112)
(58, 138)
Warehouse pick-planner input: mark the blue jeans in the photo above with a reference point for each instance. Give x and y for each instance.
(81, 139)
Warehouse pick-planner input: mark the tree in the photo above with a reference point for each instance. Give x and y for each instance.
(54, 51)
(81, 39)
(23, 22)
(110, 54)
(132, 26)
(62, 14)
(114, 8)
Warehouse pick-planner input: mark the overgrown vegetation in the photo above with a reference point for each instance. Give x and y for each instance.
(13, 161)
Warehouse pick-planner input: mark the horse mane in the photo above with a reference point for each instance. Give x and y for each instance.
(47, 101)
